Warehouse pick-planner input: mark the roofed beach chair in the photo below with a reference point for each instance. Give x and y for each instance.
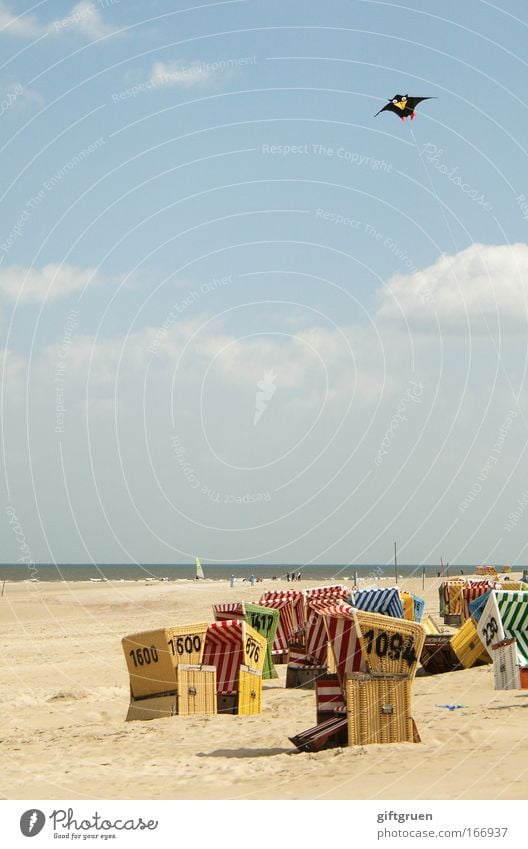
(386, 601)
(238, 653)
(430, 626)
(505, 617)
(160, 663)
(419, 607)
(413, 606)
(287, 627)
(264, 620)
(437, 655)
(306, 666)
(408, 606)
(454, 609)
(471, 592)
(478, 604)
(385, 651)
(468, 646)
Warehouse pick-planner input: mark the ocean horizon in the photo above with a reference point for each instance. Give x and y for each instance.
(221, 571)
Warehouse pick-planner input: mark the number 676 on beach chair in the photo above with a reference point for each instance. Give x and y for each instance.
(238, 653)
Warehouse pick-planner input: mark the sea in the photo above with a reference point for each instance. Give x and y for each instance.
(50, 572)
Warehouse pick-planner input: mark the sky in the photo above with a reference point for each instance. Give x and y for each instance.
(241, 317)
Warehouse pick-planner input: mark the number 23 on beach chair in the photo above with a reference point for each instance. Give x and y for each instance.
(237, 652)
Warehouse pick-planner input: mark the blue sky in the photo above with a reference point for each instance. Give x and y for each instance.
(241, 317)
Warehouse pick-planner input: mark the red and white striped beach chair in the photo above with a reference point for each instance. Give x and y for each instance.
(472, 591)
(292, 627)
(262, 619)
(287, 627)
(237, 652)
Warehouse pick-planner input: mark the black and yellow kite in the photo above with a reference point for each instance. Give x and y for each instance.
(403, 106)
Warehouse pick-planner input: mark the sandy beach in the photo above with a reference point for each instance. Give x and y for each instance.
(65, 695)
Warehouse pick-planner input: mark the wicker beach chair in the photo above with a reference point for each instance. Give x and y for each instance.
(468, 646)
(238, 653)
(264, 620)
(158, 664)
(385, 601)
(437, 654)
(419, 607)
(408, 605)
(506, 616)
(451, 601)
(379, 709)
(472, 591)
(506, 669)
(476, 607)
(287, 627)
(378, 646)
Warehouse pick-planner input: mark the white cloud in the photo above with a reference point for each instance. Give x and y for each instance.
(178, 74)
(85, 18)
(311, 370)
(25, 26)
(49, 283)
(13, 375)
(480, 286)
(17, 96)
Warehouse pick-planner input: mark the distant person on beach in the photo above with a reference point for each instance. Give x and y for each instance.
(252, 580)
(298, 576)
(232, 581)
(288, 577)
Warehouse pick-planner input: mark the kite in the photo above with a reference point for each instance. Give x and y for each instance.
(403, 106)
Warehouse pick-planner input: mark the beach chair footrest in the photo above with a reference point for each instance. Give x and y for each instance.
(331, 732)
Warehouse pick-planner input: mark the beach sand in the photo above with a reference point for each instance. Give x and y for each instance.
(65, 694)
